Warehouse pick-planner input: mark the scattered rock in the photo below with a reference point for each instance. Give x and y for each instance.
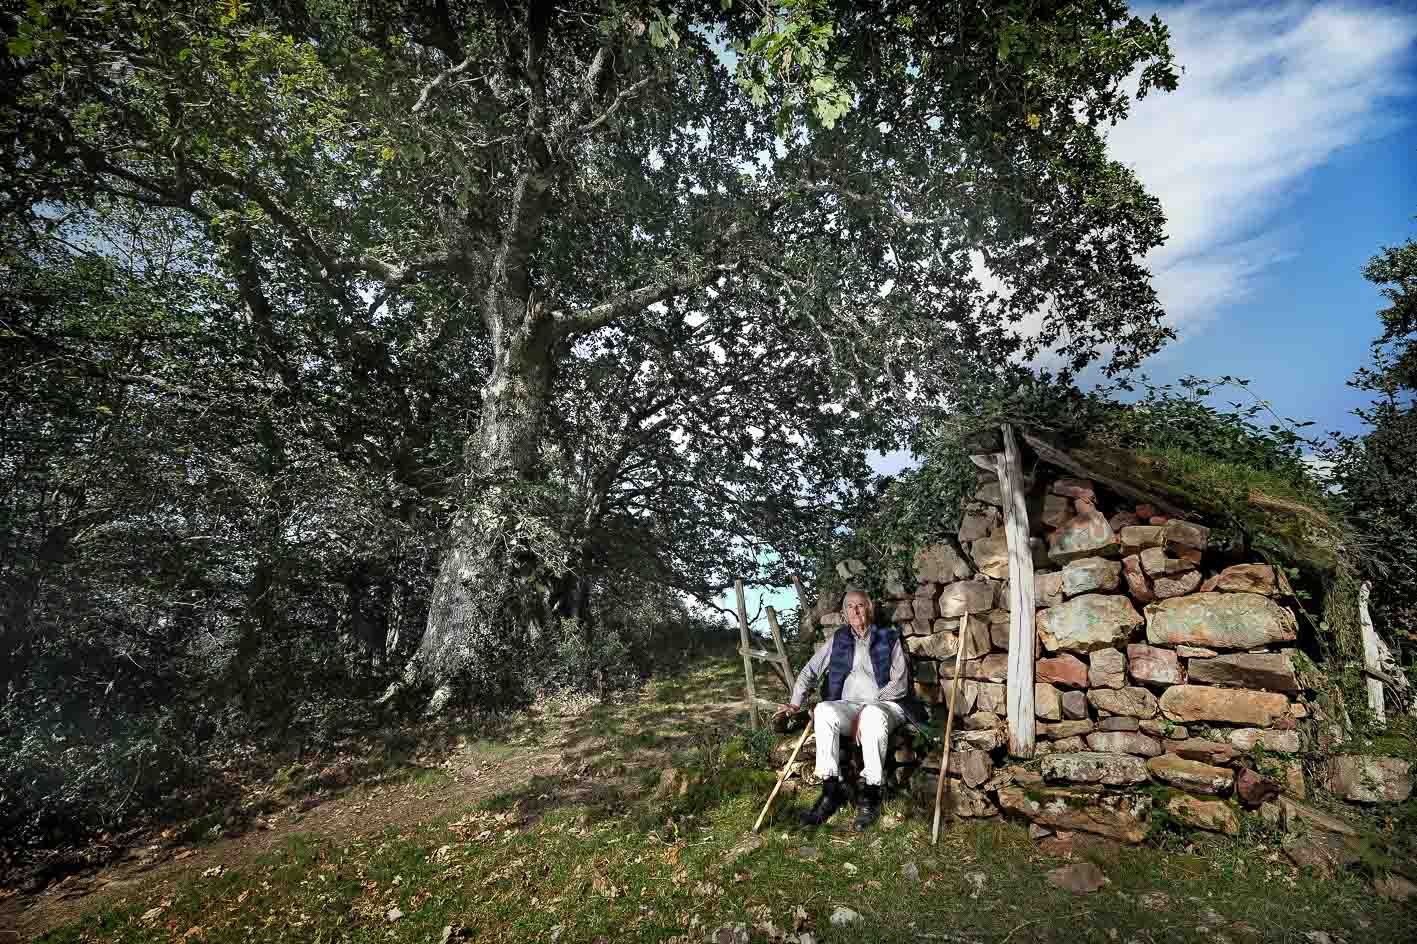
(1111, 769)
(1125, 817)
(1088, 623)
(1107, 668)
(910, 872)
(1214, 815)
(844, 916)
(1272, 671)
(1253, 791)
(1132, 701)
(1230, 705)
(1084, 535)
(1395, 888)
(1219, 620)
(730, 934)
(1364, 778)
(1189, 775)
(1079, 878)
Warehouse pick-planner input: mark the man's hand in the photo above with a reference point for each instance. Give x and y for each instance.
(785, 711)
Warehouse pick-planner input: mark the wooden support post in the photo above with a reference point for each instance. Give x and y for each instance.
(784, 665)
(1022, 640)
(747, 659)
(949, 727)
(1372, 662)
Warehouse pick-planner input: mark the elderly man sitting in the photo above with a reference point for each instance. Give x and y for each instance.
(867, 680)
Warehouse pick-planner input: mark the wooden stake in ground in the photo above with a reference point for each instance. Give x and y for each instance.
(949, 726)
(782, 777)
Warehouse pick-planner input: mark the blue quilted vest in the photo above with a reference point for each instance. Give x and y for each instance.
(880, 642)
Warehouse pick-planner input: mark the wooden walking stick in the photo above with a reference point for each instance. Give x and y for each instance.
(783, 776)
(949, 726)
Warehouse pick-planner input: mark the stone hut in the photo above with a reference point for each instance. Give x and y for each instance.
(1167, 665)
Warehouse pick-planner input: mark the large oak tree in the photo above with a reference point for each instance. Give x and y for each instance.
(701, 258)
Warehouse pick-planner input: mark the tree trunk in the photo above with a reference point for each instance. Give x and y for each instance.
(491, 598)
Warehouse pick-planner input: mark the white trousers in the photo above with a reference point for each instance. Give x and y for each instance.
(875, 721)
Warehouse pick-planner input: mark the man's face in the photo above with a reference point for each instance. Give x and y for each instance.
(856, 612)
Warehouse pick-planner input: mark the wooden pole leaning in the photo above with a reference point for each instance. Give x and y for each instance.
(747, 659)
(949, 727)
(782, 777)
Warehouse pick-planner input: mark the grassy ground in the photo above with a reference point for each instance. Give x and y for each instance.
(583, 851)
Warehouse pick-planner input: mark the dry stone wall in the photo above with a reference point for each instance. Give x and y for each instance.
(1159, 661)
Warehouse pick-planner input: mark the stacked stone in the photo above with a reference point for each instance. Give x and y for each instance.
(1152, 671)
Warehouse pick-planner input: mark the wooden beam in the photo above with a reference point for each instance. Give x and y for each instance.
(805, 623)
(1062, 459)
(747, 661)
(782, 662)
(1372, 663)
(1021, 632)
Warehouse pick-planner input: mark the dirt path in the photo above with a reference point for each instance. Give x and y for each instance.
(595, 753)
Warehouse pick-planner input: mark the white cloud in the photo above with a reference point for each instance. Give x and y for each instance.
(1269, 94)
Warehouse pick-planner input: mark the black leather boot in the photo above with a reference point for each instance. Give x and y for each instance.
(870, 807)
(832, 799)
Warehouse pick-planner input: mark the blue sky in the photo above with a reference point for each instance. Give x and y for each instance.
(1285, 160)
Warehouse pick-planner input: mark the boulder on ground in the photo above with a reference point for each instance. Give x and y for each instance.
(1118, 816)
(1088, 622)
(1214, 815)
(1080, 878)
(1365, 778)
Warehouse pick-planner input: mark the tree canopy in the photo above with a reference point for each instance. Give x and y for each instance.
(448, 320)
